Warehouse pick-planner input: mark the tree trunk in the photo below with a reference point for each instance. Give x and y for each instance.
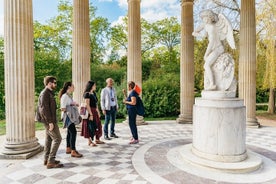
(271, 102)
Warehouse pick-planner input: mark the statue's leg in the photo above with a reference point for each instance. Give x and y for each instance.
(209, 73)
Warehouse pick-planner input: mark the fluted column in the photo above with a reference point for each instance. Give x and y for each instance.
(19, 80)
(134, 61)
(186, 63)
(80, 47)
(247, 64)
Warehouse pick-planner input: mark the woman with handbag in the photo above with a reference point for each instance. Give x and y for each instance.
(92, 126)
(69, 108)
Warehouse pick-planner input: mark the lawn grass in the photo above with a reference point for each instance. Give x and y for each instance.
(266, 115)
(2, 127)
(40, 126)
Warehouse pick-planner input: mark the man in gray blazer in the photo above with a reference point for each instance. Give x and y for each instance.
(109, 106)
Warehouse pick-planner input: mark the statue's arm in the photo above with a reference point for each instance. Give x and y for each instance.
(198, 30)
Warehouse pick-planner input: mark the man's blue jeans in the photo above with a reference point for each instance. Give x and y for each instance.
(110, 115)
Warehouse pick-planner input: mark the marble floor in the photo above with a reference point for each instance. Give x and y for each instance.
(151, 161)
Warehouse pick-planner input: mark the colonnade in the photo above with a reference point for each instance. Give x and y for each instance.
(19, 66)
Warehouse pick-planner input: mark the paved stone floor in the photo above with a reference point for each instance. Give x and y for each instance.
(143, 163)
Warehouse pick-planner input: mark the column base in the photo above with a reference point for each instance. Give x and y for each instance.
(139, 120)
(252, 123)
(21, 150)
(184, 119)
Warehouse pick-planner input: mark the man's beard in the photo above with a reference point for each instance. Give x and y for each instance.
(53, 87)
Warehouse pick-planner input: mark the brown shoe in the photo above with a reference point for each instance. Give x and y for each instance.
(99, 142)
(54, 165)
(68, 150)
(46, 162)
(75, 153)
(92, 144)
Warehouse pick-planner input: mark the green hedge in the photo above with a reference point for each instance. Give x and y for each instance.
(161, 96)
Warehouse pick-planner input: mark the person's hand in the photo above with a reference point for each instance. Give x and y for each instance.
(91, 117)
(51, 126)
(104, 112)
(195, 34)
(99, 114)
(124, 92)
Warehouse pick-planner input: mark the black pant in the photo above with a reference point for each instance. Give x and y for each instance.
(132, 113)
(92, 128)
(71, 136)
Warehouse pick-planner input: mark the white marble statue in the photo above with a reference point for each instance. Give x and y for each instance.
(219, 66)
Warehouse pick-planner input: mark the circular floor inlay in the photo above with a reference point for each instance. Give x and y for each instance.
(161, 162)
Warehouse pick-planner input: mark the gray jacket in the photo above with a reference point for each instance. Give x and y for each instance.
(105, 98)
(72, 113)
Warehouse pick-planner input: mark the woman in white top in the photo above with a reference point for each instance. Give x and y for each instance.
(67, 100)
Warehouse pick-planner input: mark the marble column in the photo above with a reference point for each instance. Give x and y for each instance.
(134, 58)
(247, 61)
(20, 142)
(80, 47)
(186, 63)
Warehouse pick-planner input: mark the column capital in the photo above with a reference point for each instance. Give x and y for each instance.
(184, 2)
(134, 0)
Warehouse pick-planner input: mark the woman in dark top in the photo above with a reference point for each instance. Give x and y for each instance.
(92, 126)
(130, 102)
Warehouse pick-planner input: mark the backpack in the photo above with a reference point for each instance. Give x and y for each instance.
(140, 106)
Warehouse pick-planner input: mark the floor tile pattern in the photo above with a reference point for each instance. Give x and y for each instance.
(111, 163)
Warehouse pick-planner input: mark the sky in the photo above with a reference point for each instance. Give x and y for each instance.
(113, 10)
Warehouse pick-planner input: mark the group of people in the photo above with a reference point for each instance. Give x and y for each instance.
(91, 127)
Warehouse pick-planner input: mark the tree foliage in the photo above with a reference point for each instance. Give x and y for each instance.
(2, 84)
(267, 33)
(160, 54)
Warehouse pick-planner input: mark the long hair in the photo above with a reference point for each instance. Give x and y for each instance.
(89, 86)
(65, 87)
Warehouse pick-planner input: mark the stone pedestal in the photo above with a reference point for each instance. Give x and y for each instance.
(219, 132)
(219, 129)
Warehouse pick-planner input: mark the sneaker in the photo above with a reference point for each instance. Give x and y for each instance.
(114, 135)
(106, 137)
(54, 165)
(134, 141)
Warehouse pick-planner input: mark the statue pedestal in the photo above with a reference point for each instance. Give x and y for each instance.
(219, 132)
(219, 129)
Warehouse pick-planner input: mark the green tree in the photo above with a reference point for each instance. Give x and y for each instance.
(168, 33)
(118, 37)
(2, 84)
(99, 34)
(267, 20)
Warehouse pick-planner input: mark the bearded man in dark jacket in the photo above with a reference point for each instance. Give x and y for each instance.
(47, 109)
